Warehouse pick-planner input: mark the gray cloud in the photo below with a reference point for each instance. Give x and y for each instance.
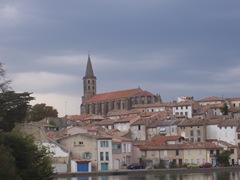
(169, 47)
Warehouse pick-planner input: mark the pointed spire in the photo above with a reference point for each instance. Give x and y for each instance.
(89, 69)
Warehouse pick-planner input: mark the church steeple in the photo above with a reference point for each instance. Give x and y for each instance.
(89, 81)
(89, 69)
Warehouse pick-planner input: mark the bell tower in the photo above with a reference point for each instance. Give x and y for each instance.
(89, 82)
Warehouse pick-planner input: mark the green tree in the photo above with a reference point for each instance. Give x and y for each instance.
(224, 109)
(223, 157)
(25, 160)
(3, 81)
(40, 111)
(7, 167)
(13, 108)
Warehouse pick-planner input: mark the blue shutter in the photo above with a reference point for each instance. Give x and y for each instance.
(90, 155)
(83, 155)
(101, 143)
(106, 143)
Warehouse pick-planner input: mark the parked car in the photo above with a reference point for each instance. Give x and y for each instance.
(134, 166)
(205, 165)
(192, 165)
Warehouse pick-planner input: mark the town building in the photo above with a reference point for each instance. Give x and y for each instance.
(93, 103)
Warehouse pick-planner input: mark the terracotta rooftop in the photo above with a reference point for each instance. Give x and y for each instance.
(167, 104)
(210, 99)
(114, 95)
(143, 93)
(79, 117)
(192, 122)
(185, 145)
(123, 112)
(229, 122)
(233, 99)
(161, 139)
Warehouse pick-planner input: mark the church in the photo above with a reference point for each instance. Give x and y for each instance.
(101, 104)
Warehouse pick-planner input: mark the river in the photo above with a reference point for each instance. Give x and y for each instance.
(209, 175)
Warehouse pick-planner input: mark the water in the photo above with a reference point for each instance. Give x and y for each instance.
(220, 175)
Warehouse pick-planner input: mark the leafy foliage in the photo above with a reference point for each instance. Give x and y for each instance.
(224, 110)
(13, 108)
(24, 159)
(223, 157)
(3, 81)
(40, 111)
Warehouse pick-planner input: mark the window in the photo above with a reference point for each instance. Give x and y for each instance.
(186, 107)
(232, 151)
(153, 153)
(177, 152)
(116, 146)
(80, 143)
(198, 161)
(198, 133)
(101, 156)
(129, 148)
(124, 148)
(165, 152)
(128, 158)
(176, 108)
(211, 151)
(139, 127)
(107, 156)
(186, 113)
(198, 139)
(104, 143)
(200, 151)
(191, 132)
(87, 155)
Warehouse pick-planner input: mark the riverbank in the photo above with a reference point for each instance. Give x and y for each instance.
(144, 171)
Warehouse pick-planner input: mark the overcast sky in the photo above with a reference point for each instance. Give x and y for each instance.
(169, 47)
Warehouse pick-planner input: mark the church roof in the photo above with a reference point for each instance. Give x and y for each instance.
(113, 95)
(89, 69)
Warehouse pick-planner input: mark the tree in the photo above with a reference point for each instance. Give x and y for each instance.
(3, 81)
(40, 111)
(13, 108)
(7, 169)
(224, 109)
(25, 160)
(223, 157)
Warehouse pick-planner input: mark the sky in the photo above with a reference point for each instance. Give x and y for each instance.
(173, 48)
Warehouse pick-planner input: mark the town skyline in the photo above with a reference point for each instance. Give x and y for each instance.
(173, 48)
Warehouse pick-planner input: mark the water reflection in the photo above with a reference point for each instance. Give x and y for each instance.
(228, 175)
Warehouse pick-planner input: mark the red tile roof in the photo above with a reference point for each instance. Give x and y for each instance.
(209, 99)
(79, 117)
(113, 95)
(185, 145)
(161, 139)
(143, 93)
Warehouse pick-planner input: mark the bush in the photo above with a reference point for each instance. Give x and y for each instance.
(172, 164)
